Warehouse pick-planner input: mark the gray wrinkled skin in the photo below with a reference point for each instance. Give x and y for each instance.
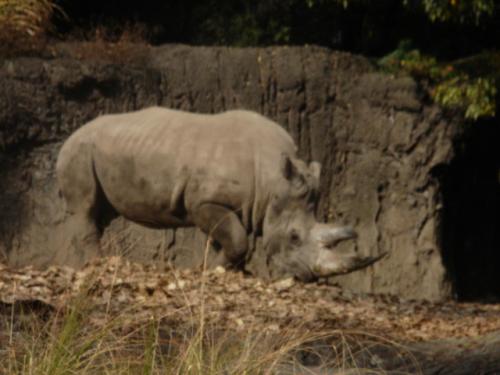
(229, 174)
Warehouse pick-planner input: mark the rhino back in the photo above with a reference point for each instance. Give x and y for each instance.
(158, 165)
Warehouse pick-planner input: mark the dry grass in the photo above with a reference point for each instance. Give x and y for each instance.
(126, 43)
(68, 343)
(76, 339)
(24, 23)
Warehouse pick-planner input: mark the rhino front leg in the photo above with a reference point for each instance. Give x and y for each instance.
(225, 227)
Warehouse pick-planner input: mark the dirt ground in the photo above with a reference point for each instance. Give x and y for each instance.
(234, 301)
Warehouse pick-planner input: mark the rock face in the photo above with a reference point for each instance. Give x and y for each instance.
(379, 143)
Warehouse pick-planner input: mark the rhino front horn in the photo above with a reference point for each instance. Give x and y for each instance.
(331, 263)
(330, 260)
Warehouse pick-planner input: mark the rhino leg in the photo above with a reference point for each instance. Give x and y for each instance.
(225, 227)
(83, 241)
(81, 191)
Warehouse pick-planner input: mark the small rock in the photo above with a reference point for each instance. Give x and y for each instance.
(178, 284)
(273, 327)
(219, 270)
(284, 284)
(239, 322)
(233, 288)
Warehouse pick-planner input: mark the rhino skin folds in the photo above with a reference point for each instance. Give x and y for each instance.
(228, 174)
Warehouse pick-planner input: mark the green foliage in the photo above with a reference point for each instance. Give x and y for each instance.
(467, 86)
(410, 60)
(436, 10)
(355, 25)
(458, 10)
(363, 26)
(248, 23)
(476, 96)
(343, 3)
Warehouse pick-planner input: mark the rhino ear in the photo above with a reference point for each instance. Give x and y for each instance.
(288, 170)
(315, 169)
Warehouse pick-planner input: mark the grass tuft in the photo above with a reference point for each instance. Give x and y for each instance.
(71, 342)
(24, 24)
(87, 335)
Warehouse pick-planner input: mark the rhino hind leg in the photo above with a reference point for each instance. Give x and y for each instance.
(81, 191)
(225, 227)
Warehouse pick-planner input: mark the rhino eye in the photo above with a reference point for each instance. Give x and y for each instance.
(295, 238)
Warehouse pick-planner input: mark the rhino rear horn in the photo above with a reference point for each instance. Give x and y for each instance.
(330, 237)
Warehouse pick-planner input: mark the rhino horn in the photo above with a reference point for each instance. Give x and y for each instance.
(330, 236)
(331, 262)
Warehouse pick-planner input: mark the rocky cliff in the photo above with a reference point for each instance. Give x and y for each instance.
(379, 140)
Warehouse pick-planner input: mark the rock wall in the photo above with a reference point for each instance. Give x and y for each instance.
(378, 140)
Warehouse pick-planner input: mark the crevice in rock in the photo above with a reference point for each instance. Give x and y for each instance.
(218, 73)
(330, 101)
(84, 88)
(471, 214)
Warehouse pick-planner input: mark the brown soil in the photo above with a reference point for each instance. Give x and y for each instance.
(232, 301)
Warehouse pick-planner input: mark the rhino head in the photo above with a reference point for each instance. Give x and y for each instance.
(296, 244)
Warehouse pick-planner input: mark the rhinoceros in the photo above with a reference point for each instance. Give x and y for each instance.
(230, 174)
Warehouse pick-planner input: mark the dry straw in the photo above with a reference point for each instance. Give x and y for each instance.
(24, 23)
(84, 338)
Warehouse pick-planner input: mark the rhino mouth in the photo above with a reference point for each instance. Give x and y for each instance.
(333, 261)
